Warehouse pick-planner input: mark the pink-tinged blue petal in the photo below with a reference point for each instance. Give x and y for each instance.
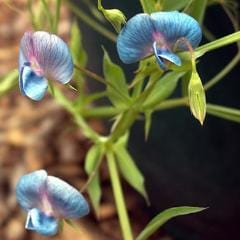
(66, 201)
(135, 40)
(41, 223)
(49, 53)
(165, 54)
(175, 25)
(30, 188)
(31, 84)
(169, 30)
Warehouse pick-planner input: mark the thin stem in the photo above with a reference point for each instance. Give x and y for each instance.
(57, 17)
(172, 103)
(87, 130)
(47, 13)
(101, 80)
(91, 22)
(223, 72)
(90, 74)
(119, 198)
(13, 8)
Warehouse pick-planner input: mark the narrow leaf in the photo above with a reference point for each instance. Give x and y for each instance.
(79, 55)
(163, 89)
(227, 113)
(148, 123)
(163, 217)
(130, 171)
(118, 89)
(8, 82)
(93, 159)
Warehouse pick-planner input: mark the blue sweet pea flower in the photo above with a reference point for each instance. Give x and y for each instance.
(47, 200)
(161, 34)
(43, 56)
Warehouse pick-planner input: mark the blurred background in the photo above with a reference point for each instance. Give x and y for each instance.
(183, 163)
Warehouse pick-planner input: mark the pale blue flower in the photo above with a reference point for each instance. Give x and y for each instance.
(161, 34)
(42, 57)
(47, 200)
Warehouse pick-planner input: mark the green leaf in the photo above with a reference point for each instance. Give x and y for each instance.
(227, 113)
(163, 89)
(129, 170)
(118, 89)
(197, 9)
(169, 5)
(148, 123)
(148, 6)
(79, 55)
(163, 217)
(8, 82)
(93, 160)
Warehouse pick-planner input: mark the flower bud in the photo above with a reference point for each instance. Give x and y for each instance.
(114, 16)
(197, 98)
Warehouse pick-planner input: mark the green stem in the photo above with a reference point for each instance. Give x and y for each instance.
(221, 42)
(100, 79)
(48, 14)
(87, 130)
(92, 23)
(101, 112)
(124, 123)
(172, 103)
(57, 17)
(119, 198)
(223, 72)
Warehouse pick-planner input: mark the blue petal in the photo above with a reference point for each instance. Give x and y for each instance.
(51, 53)
(135, 40)
(30, 188)
(31, 84)
(65, 200)
(162, 54)
(175, 25)
(41, 223)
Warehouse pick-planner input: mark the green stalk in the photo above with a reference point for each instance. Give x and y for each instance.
(91, 22)
(223, 72)
(57, 17)
(47, 13)
(126, 121)
(119, 198)
(172, 103)
(87, 130)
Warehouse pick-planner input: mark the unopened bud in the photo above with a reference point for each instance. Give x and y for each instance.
(114, 16)
(197, 98)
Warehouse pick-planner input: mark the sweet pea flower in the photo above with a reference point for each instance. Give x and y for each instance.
(42, 57)
(47, 200)
(161, 34)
